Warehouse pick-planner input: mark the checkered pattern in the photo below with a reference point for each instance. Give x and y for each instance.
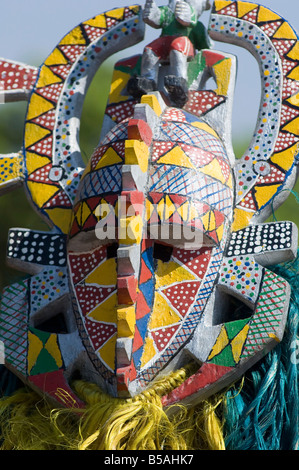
(14, 319)
(269, 312)
(177, 180)
(103, 181)
(190, 135)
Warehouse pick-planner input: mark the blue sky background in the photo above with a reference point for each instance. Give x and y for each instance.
(30, 29)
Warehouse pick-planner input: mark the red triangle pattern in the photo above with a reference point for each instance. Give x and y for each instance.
(119, 112)
(274, 177)
(93, 33)
(84, 263)
(60, 199)
(230, 10)
(43, 147)
(161, 148)
(41, 175)
(201, 102)
(137, 342)
(173, 114)
(128, 13)
(89, 297)
(99, 333)
(46, 120)
(181, 296)
(61, 70)
(270, 28)
(51, 92)
(251, 16)
(284, 141)
(72, 52)
(198, 157)
(142, 307)
(248, 202)
(163, 336)
(195, 260)
(290, 88)
(283, 46)
(287, 66)
(145, 273)
(288, 114)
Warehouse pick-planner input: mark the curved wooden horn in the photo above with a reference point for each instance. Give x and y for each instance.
(51, 142)
(267, 170)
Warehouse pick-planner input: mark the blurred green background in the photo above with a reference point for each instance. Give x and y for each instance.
(15, 209)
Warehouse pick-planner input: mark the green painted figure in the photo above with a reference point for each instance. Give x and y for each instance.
(181, 35)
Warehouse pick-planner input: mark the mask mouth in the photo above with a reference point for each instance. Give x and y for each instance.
(180, 236)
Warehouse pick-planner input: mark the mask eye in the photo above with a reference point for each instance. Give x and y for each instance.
(162, 252)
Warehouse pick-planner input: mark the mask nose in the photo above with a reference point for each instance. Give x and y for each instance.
(131, 231)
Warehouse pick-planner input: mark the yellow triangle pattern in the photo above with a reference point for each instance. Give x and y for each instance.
(165, 208)
(214, 170)
(184, 210)
(118, 83)
(47, 77)
(52, 347)
(285, 32)
(209, 221)
(74, 37)
(118, 13)
(263, 194)
(170, 273)
(205, 127)
(267, 15)
(35, 346)
(162, 314)
(35, 161)
(41, 193)
(219, 4)
(294, 100)
(61, 217)
(107, 353)
(38, 105)
(221, 342)
(56, 58)
(148, 351)
(286, 158)
(294, 74)
(294, 52)
(97, 22)
(176, 157)
(237, 343)
(222, 72)
(241, 219)
(106, 311)
(293, 126)
(109, 158)
(34, 133)
(245, 7)
(104, 275)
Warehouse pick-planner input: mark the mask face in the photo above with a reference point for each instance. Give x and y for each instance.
(158, 251)
(183, 212)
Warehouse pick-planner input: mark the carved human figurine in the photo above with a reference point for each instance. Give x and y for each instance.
(181, 35)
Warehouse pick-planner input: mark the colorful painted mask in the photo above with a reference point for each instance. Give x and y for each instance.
(158, 251)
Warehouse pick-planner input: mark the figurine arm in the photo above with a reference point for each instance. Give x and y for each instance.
(152, 14)
(185, 13)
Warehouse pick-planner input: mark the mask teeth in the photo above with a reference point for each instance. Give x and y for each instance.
(132, 231)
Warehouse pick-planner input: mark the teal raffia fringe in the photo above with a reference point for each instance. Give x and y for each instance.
(263, 413)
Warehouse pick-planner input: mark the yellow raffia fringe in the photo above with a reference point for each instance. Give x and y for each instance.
(28, 422)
